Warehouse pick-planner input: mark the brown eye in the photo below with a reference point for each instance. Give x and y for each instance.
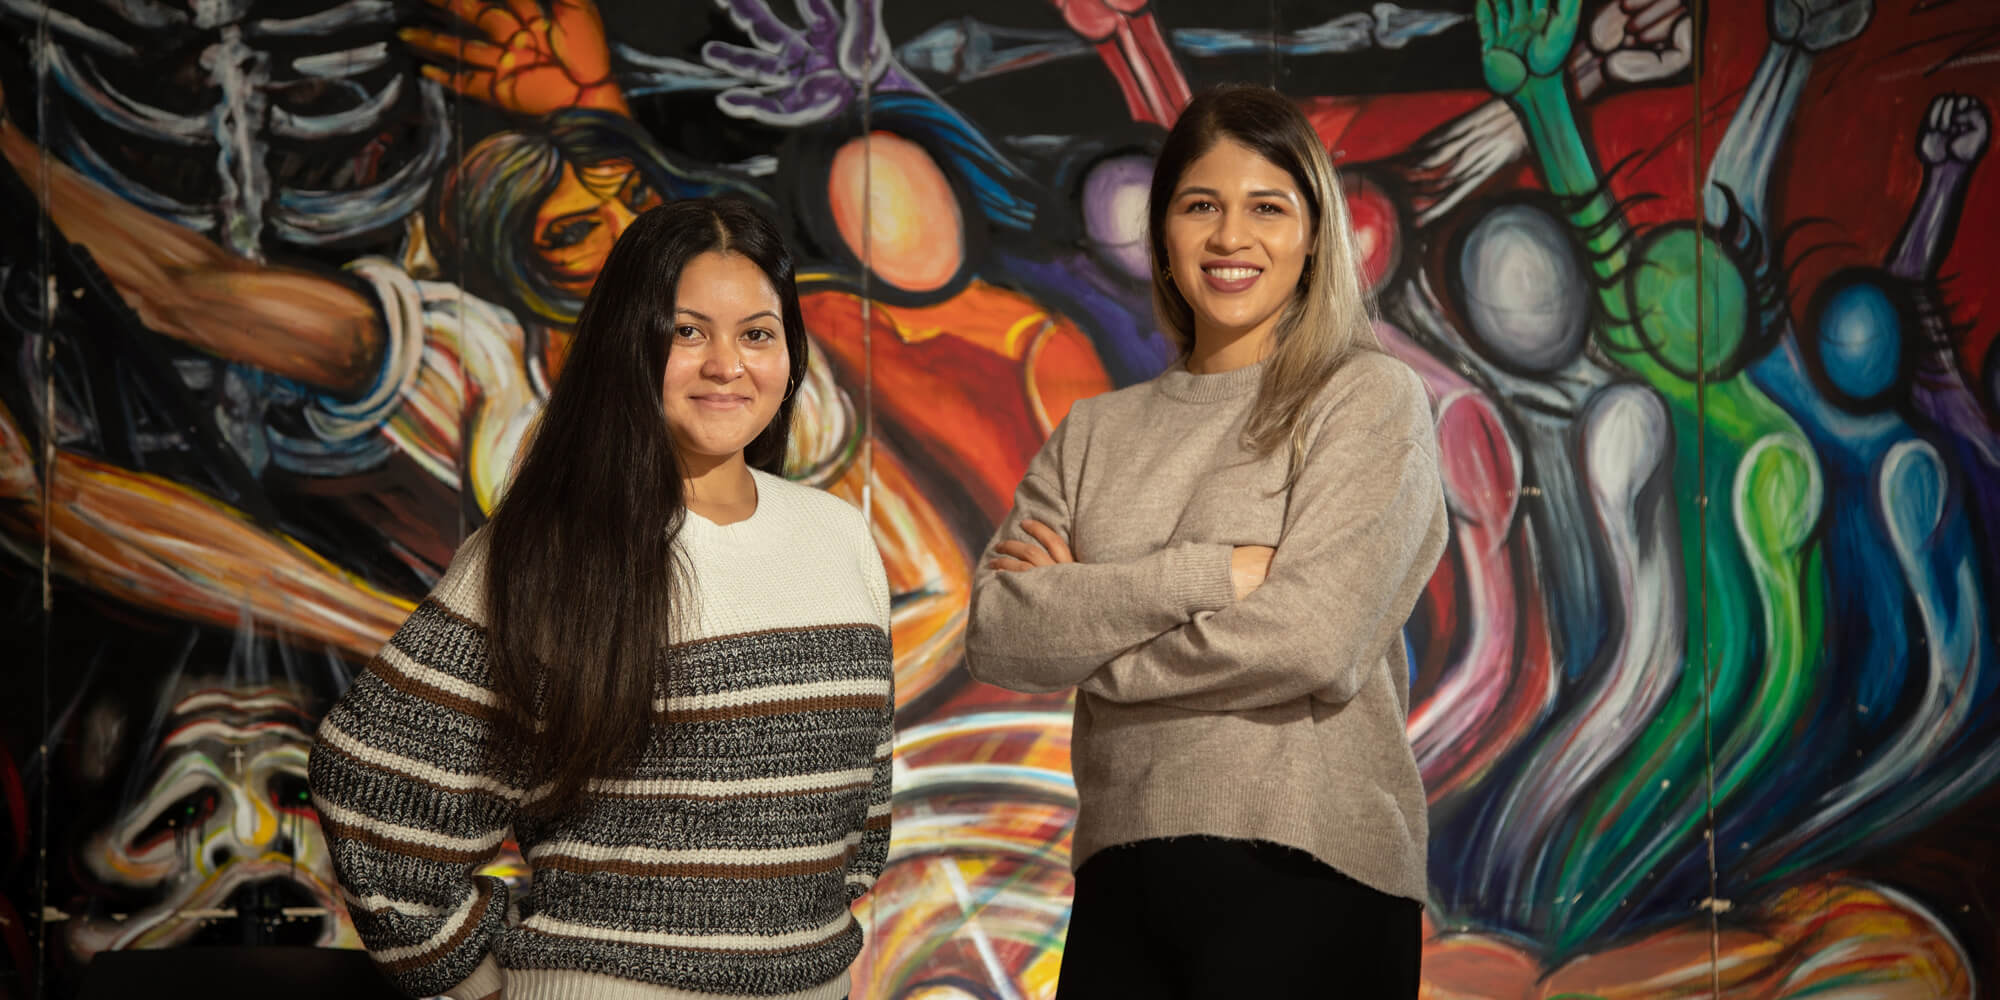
(568, 234)
(638, 195)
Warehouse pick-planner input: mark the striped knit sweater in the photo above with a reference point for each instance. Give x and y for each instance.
(722, 867)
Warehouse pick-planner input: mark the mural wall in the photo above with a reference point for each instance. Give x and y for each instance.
(1705, 686)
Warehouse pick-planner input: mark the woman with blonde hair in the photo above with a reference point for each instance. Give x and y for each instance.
(1222, 560)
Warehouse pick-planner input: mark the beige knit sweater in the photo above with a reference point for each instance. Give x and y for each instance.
(1279, 717)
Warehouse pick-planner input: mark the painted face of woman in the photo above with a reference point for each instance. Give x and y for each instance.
(728, 366)
(583, 217)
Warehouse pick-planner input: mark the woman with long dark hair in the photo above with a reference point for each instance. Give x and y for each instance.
(1222, 560)
(665, 668)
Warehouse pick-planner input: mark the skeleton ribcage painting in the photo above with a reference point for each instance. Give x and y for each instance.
(267, 125)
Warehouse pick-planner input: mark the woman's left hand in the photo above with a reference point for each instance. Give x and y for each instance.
(1014, 556)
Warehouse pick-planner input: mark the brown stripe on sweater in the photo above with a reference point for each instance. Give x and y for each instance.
(760, 709)
(877, 822)
(731, 796)
(781, 630)
(687, 869)
(436, 696)
(452, 613)
(451, 944)
(327, 747)
(422, 852)
(448, 612)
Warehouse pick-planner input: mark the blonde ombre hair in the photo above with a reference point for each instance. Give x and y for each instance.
(1330, 316)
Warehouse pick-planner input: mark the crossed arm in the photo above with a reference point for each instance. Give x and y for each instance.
(1041, 621)
(1178, 627)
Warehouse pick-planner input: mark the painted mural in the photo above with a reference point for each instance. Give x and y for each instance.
(1705, 689)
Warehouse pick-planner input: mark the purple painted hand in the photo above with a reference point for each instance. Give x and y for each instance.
(798, 76)
(1955, 130)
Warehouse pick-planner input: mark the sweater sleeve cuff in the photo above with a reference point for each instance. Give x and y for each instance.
(1198, 577)
(485, 981)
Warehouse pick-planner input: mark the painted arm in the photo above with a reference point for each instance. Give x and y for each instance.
(159, 545)
(1748, 152)
(1950, 143)
(1523, 55)
(1128, 39)
(291, 323)
(1632, 43)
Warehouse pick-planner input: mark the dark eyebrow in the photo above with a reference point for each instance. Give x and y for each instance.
(746, 319)
(1213, 193)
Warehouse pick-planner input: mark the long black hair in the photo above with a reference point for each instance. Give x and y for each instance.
(582, 579)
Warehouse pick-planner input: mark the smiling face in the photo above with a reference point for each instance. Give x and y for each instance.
(1237, 235)
(728, 366)
(579, 221)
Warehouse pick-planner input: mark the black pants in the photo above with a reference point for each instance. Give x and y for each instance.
(1204, 917)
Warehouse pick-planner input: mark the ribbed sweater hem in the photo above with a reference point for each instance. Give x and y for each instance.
(564, 984)
(1185, 812)
(1198, 577)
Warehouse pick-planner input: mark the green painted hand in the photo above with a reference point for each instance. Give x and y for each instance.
(1525, 41)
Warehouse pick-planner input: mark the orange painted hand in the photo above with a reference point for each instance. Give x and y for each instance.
(520, 57)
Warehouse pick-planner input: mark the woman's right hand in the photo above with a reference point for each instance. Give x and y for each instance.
(1248, 565)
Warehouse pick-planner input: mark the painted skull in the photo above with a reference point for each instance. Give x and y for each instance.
(220, 838)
